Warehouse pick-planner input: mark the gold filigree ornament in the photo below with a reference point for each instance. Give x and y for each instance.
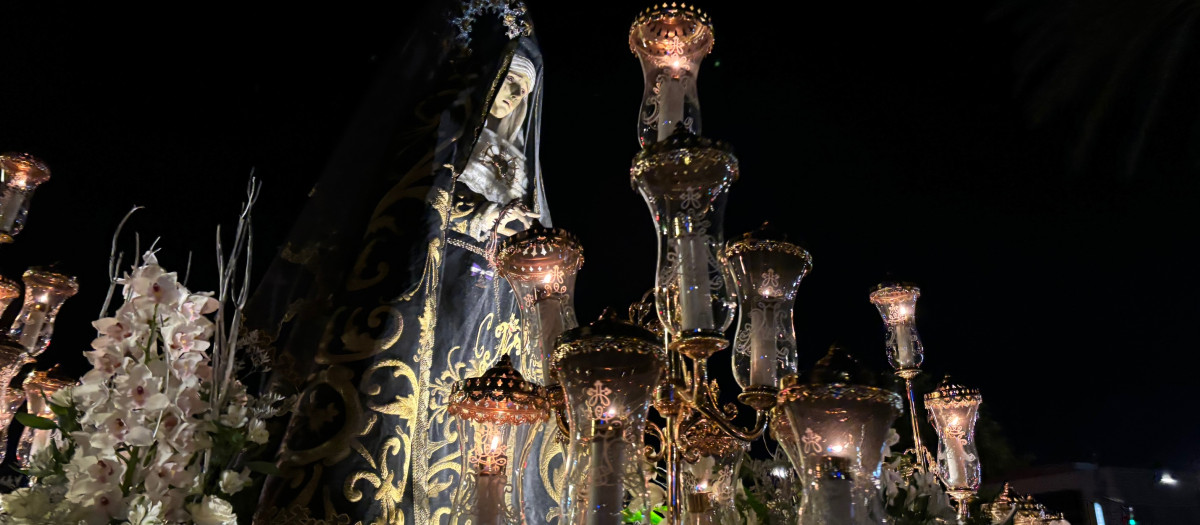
(501, 395)
(705, 438)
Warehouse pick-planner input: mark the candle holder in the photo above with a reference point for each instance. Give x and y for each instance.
(45, 293)
(9, 290)
(608, 370)
(670, 42)
(540, 264)
(496, 411)
(38, 386)
(685, 180)
(11, 400)
(711, 459)
(841, 425)
(953, 410)
(766, 271)
(897, 304)
(20, 175)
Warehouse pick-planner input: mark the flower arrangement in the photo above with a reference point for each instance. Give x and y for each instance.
(159, 431)
(146, 438)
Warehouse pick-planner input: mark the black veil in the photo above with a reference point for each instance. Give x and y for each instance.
(382, 296)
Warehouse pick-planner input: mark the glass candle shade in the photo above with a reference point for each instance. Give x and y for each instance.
(12, 357)
(38, 386)
(10, 401)
(608, 371)
(45, 293)
(540, 264)
(9, 290)
(670, 42)
(781, 429)
(841, 430)
(897, 304)
(711, 459)
(20, 175)
(766, 271)
(495, 412)
(953, 410)
(685, 181)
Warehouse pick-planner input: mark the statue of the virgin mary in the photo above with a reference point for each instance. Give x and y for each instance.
(383, 296)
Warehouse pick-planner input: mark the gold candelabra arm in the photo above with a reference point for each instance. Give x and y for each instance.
(703, 398)
(652, 455)
(745, 434)
(558, 408)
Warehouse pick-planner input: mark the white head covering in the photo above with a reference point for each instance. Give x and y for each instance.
(510, 128)
(524, 66)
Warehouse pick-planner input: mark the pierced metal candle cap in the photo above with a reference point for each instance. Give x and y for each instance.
(9, 290)
(23, 170)
(951, 393)
(46, 382)
(608, 334)
(537, 251)
(500, 395)
(665, 31)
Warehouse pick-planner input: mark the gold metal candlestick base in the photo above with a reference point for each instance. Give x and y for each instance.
(759, 398)
(699, 346)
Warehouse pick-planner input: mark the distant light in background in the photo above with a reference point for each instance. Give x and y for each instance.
(780, 472)
(1167, 479)
(1099, 513)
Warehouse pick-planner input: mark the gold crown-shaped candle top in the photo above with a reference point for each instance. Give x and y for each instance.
(60, 284)
(9, 289)
(948, 392)
(22, 170)
(608, 334)
(672, 31)
(537, 252)
(887, 294)
(500, 395)
(762, 240)
(42, 381)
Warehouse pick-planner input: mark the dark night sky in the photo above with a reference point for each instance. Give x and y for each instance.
(1032, 166)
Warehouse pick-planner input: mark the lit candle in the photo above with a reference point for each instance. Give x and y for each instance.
(32, 329)
(956, 457)
(670, 102)
(490, 481)
(763, 348)
(606, 492)
(695, 292)
(489, 502)
(902, 335)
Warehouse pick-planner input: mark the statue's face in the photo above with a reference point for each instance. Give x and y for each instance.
(516, 86)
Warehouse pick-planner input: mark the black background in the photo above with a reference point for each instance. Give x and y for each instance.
(1032, 166)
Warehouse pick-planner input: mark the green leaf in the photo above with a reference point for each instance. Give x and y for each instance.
(59, 411)
(32, 421)
(263, 467)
